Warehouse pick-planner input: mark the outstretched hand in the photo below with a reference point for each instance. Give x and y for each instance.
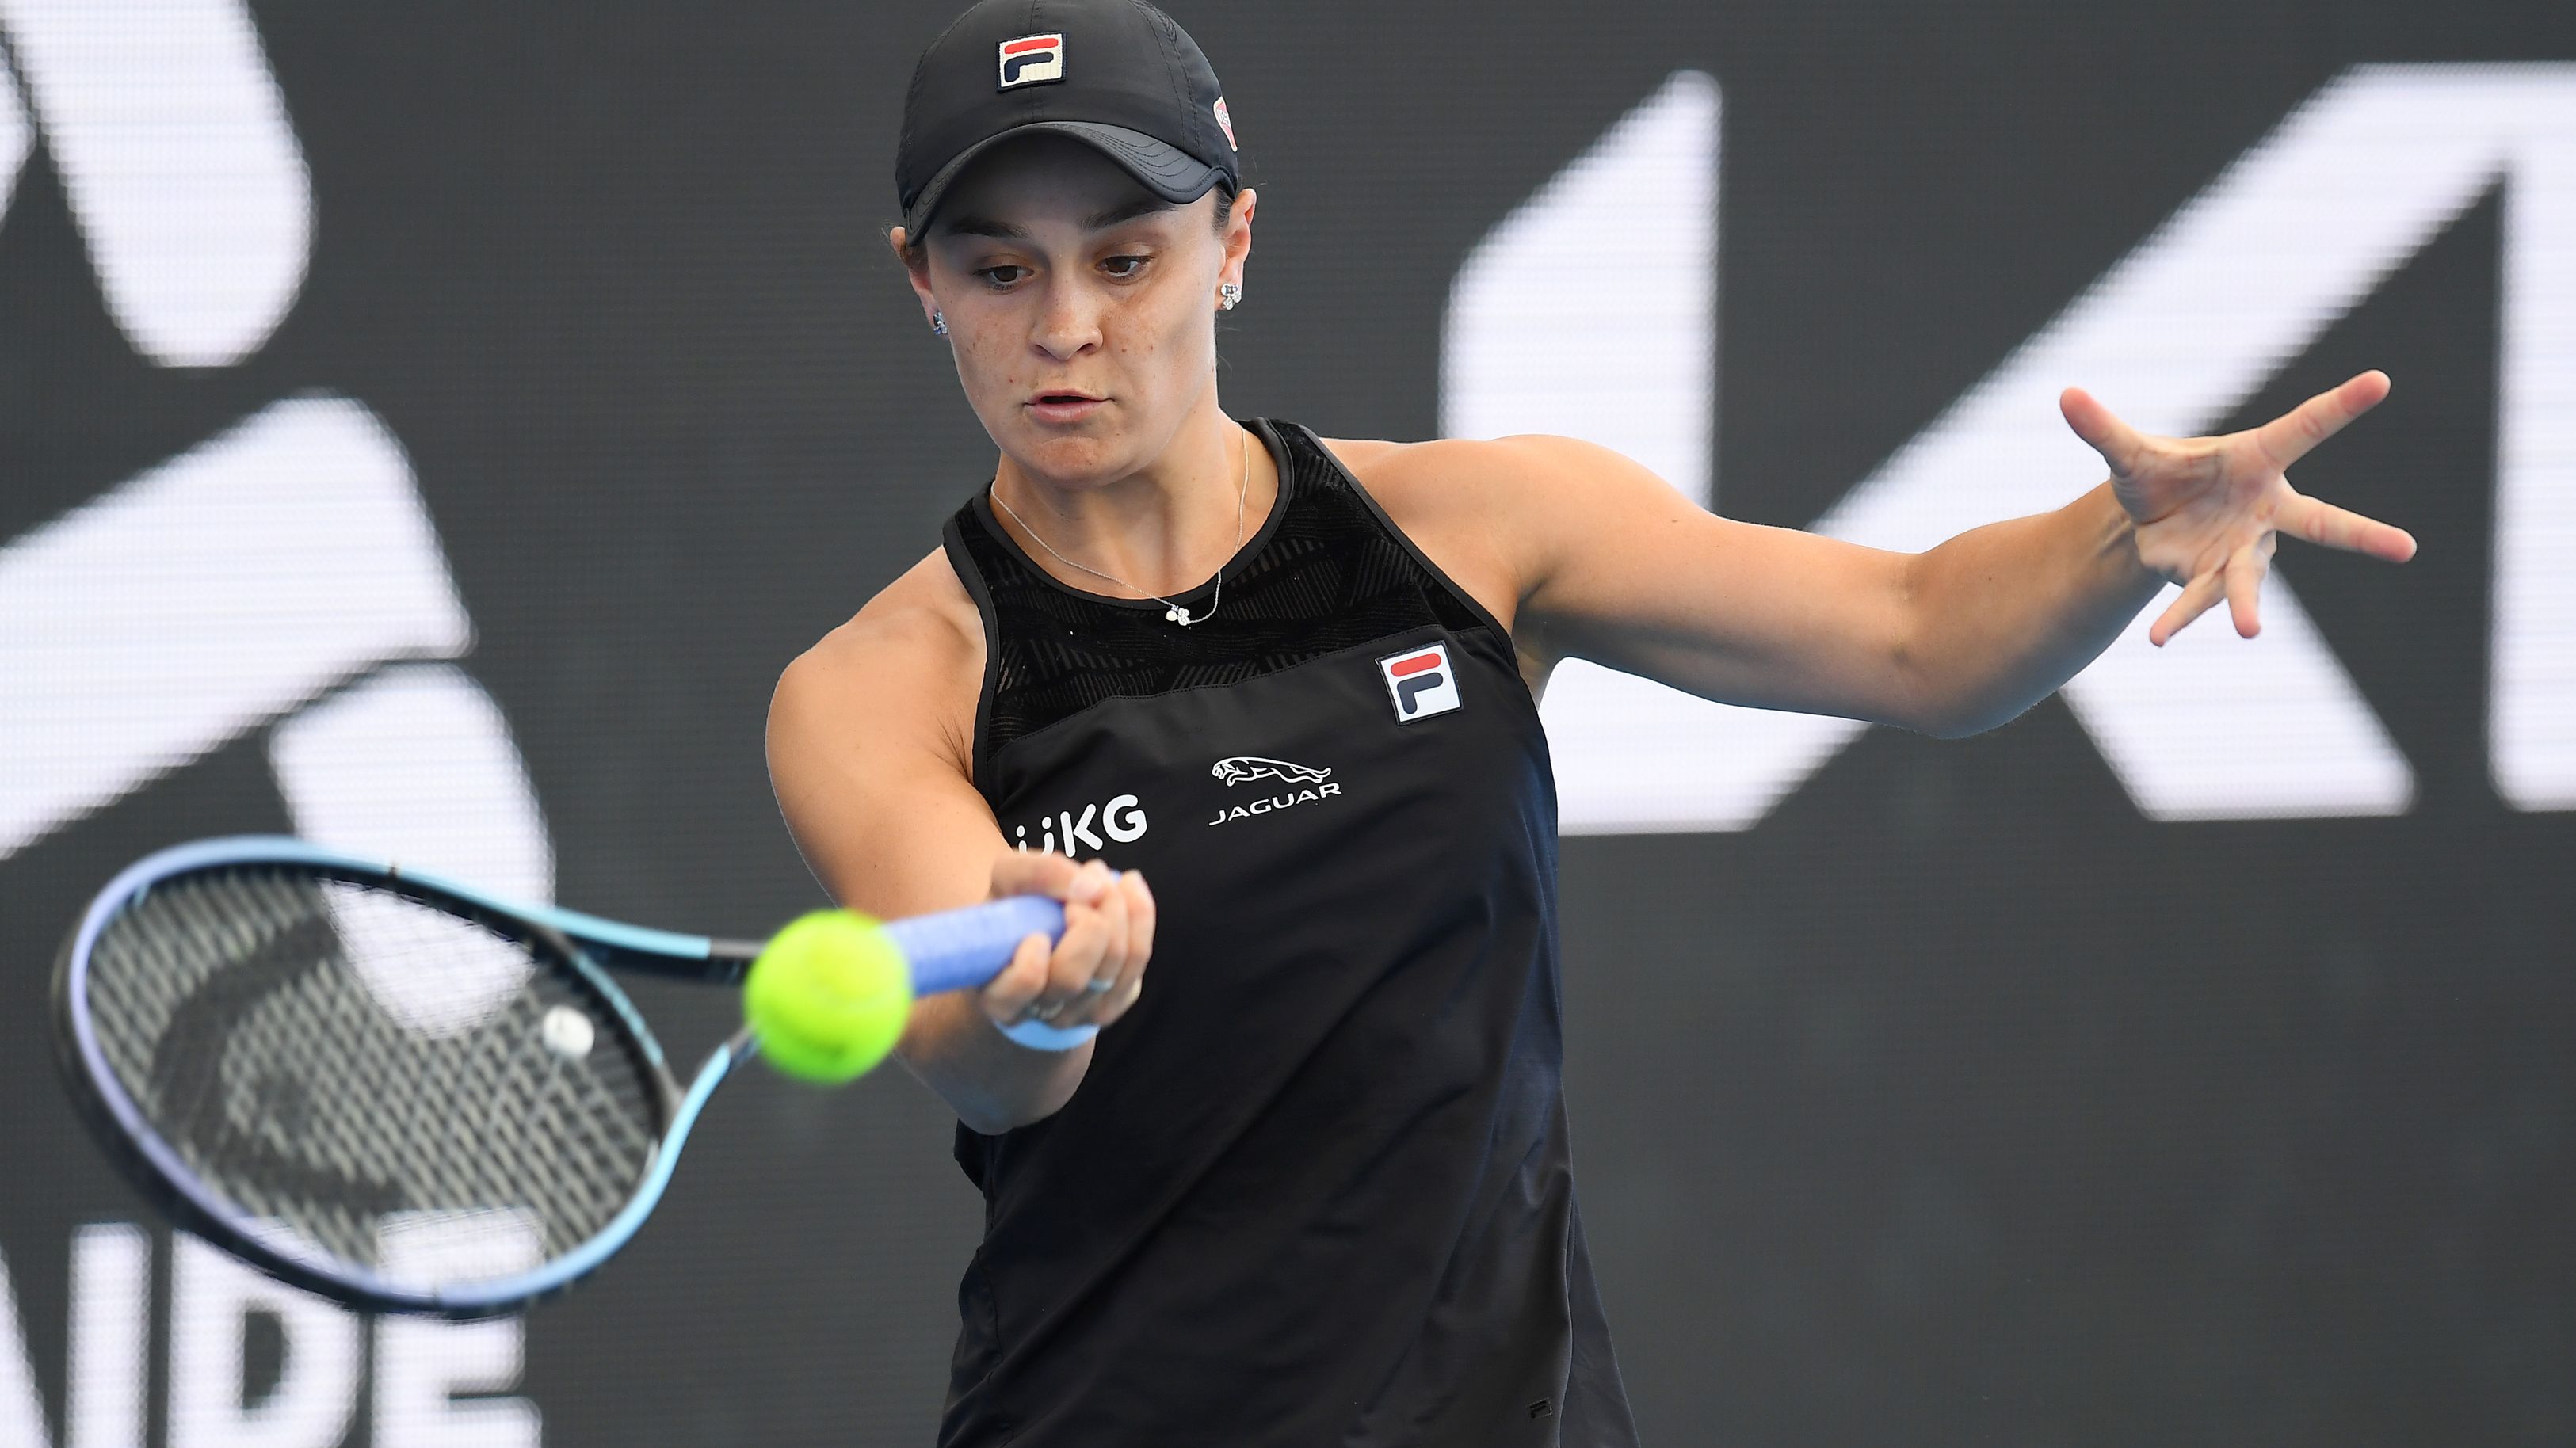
(2209, 510)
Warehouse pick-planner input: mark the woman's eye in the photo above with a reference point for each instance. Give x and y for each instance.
(1002, 276)
(1123, 266)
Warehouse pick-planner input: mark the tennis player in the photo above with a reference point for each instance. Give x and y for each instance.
(1312, 1185)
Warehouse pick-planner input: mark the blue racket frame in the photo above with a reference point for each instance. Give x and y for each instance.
(953, 950)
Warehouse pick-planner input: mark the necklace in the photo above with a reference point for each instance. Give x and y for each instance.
(1172, 612)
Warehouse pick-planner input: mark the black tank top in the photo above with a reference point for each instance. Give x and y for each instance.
(1315, 1189)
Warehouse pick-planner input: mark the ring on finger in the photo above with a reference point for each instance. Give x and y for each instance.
(1045, 1010)
(1100, 985)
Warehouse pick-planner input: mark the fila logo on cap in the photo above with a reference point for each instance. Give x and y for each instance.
(1421, 682)
(1226, 123)
(1032, 59)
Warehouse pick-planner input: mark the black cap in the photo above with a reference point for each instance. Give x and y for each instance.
(1118, 75)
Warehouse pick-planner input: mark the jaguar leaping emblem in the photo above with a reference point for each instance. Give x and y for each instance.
(1245, 768)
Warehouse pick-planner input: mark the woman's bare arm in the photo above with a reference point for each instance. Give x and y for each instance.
(870, 754)
(1589, 555)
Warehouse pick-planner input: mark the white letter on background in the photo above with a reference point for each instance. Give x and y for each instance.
(17, 135)
(420, 1366)
(111, 1333)
(183, 173)
(416, 764)
(2180, 332)
(22, 1413)
(2531, 720)
(199, 599)
(1534, 343)
(212, 1298)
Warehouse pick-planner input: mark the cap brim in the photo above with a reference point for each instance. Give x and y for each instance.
(1158, 166)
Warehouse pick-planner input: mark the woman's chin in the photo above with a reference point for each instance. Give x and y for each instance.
(1073, 457)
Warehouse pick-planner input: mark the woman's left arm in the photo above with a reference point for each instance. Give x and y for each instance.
(1614, 566)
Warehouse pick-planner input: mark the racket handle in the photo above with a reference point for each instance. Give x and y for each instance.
(965, 949)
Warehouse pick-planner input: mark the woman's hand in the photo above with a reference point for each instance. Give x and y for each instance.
(1096, 971)
(2209, 510)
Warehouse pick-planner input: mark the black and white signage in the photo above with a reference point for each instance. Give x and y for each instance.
(431, 431)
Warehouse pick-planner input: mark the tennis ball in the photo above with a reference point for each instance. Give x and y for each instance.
(828, 997)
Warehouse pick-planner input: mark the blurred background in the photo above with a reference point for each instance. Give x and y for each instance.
(431, 430)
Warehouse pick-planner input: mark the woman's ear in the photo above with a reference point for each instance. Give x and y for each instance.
(916, 269)
(1238, 237)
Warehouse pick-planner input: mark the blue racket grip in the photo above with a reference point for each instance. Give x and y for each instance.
(965, 949)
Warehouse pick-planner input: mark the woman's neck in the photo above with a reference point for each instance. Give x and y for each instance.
(1164, 528)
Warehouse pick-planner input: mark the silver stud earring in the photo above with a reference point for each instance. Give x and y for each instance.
(1227, 294)
(938, 323)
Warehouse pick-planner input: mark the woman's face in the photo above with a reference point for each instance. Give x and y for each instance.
(1079, 305)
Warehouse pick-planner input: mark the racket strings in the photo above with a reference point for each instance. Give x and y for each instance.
(348, 1063)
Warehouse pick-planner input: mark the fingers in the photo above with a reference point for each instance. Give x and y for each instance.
(1093, 973)
(2311, 521)
(1030, 872)
(1095, 927)
(2240, 582)
(2245, 571)
(2197, 597)
(1009, 996)
(1116, 992)
(2287, 438)
(2117, 442)
(1081, 979)
(1142, 904)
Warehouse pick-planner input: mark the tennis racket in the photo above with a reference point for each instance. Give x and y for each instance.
(393, 1089)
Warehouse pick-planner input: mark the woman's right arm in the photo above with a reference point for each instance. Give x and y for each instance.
(870, 756)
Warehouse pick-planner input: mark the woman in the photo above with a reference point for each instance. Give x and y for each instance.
(1314, 1186)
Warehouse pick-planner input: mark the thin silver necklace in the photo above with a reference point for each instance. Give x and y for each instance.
(1172, 612)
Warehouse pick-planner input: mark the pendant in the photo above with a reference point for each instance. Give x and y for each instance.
(1179, 615)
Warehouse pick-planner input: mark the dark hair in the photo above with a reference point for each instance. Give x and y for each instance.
(1224, 189)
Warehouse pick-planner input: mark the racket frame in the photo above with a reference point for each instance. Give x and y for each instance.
(585, 941)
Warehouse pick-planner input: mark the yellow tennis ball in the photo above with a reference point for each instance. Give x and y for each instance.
(828, 997)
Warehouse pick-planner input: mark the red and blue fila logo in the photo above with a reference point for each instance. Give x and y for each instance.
(1421, 682)
(1031, 59)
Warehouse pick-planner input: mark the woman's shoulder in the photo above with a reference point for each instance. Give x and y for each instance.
(908, 665)
(1452, 471)
(1459, 501)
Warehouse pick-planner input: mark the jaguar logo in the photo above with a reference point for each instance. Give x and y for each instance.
(1245, 768)
(1299, 784)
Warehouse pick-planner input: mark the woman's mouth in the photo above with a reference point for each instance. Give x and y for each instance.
(1065, 407)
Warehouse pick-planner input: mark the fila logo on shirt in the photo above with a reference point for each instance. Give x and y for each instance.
(1120, 819)
(1420, 682)
(1031, 60)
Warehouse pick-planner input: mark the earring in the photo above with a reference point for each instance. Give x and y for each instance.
(1227, 294)
(938, 323)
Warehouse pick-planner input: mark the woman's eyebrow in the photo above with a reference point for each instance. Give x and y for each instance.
(984, 226)
(1125, 211)
(1106, 217)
